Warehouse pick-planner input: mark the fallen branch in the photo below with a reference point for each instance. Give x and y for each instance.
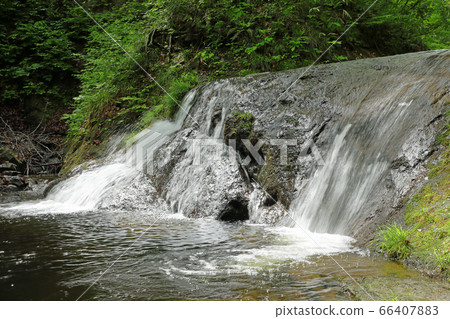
(34, 149)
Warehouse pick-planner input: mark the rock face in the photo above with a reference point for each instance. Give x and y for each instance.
(259, 147)
(14, 186)
(9, 174)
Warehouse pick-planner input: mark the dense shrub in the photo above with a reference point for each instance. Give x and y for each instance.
(54, 52)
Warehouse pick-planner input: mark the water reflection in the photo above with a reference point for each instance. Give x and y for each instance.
(57, 256)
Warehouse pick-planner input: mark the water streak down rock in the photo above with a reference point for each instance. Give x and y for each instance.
(373, 121)
(358, 136)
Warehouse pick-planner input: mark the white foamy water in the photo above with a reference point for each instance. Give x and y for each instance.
(297, 244)
(290, 246)
(100, 185)
(282, 246)
(83, 192)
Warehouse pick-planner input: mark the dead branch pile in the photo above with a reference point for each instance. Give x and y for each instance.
(38, 151)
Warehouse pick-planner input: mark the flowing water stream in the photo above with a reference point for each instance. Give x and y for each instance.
(57, 256)
(108, 225)
(56, 247)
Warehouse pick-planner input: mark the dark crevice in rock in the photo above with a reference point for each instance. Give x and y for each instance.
(437, 118)
(400, 162)
(318, 130)
(216, 118)
(270, 201)
(235, 210)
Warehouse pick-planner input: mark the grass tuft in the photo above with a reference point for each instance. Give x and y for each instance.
(394, 241)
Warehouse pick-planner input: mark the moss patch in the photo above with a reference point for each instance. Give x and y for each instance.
(239, 127)
(391, 288)
(269, 178)
(7, 155)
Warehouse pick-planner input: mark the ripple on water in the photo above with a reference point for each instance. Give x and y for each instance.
(167, 257)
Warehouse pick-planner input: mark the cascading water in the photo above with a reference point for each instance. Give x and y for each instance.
(198, 175)
(379, 130)
(356, 162)
(104, 186)
(208, 170)
(369, 138)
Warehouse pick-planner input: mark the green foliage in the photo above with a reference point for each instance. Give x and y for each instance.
(110, 79)
(54, 52)
(404, 25)
(177, 90)
(394, 241)
(39, 56)
(168, 103)
(443, 258)
(240, 125)
(275, 35)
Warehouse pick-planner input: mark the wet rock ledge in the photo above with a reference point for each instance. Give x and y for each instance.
(14, 185)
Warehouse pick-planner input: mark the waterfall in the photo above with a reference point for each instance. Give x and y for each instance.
(335, 194)
(368, 139)
(119, 183)
(185, 166)
(208, 169)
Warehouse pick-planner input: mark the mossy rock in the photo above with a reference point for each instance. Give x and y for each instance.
(239, 127)
(426, 220)
(268, 177)
(391, 288)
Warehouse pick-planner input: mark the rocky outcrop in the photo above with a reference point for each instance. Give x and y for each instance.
(14, 186)
(10, 177)
(286, 125)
